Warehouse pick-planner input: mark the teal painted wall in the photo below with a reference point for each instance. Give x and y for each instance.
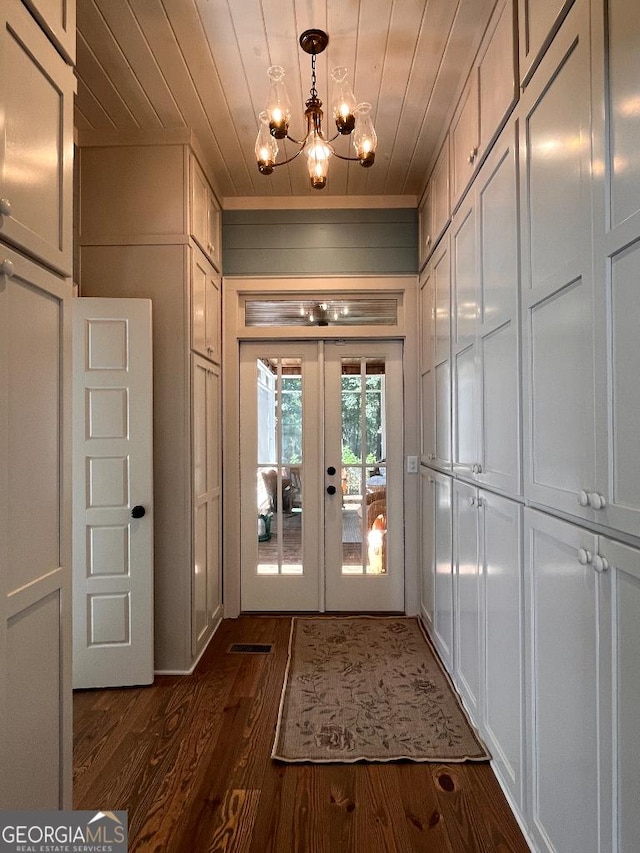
(320, 242)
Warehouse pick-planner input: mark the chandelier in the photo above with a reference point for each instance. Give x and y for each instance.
(351, 119)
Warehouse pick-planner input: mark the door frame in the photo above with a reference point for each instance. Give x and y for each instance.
(235, 289)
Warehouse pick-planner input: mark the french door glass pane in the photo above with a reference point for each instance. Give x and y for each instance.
(279, 466)
(364, 507)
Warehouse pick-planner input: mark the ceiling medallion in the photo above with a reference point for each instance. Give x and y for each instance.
(351, 119)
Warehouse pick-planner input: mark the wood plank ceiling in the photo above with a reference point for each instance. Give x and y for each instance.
(147, 65)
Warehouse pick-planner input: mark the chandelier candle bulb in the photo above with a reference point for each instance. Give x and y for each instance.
(278, 104)
(344, 101)
(350, 118)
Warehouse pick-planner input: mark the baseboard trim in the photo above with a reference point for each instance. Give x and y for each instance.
(218, 620)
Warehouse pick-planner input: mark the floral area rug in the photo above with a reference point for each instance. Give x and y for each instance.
(369, 689)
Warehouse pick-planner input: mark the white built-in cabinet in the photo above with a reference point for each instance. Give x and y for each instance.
(468, 606)
(618, 566)
(36, 92)
(557, 276)
(206, 325)
(437, 562)
(435, 209)
(542, 255)
(206, 442)
(436, 358)
(36, 164)
(488, 96)
(562, 594)
(615, 494)
(484, 324)
(204, 214)
(139, 243)
(489, 624)
(538, 21)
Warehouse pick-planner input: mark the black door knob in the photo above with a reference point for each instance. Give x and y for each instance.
(331, 470)
(138, 512)
(331, 490)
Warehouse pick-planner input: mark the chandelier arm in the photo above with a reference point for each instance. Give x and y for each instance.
(288, 160)
(297, 141)
(342, 157)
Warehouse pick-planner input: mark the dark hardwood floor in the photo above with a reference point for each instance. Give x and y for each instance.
(189, 759)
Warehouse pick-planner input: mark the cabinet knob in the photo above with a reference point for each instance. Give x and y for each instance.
(7, 268)
(600, 564)
(584, 557)
(5, 207)
(428, 241)
(138, 512)
(472, 501)
(331, 490)
(597, 501)
(583, 498)
(470, 158)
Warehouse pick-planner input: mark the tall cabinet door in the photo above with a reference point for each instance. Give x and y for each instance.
(557, 279)
(35, 546)
(616, 501)
(464, 449)
(620, 676)
(443, 569)
(503, 712)
(467, 595)
(36, 93)
(561, 601)
(206, 591)
(498, 431)
(441, 284)
(427, 556)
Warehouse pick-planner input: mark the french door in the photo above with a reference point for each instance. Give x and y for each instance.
(321, 476)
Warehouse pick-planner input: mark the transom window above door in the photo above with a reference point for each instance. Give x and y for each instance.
(322, 311)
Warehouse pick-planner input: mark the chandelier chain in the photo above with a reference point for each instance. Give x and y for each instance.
(314, 91)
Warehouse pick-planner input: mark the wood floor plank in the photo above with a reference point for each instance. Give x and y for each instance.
(189, 759)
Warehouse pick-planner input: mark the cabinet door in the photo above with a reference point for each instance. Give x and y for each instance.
(463, 339)
(497, 84)
(617, 254)
(498, 433)
(427, 386)
(36, 141)
(621, 691)
(58, 19)
(557, 277)
(443, 590)
(205, 307)
(468, 616)
(503, 674)
(426, 225)
(35, 537)
(440, 197)
(199, 198)
(538, 20)
(464, 139)
(442, 354)
(427, 557)
(206, 500)
(214, 231)
(563, 659)
(205, 215)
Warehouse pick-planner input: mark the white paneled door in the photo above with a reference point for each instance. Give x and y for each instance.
(321, 476)
(112, 493)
